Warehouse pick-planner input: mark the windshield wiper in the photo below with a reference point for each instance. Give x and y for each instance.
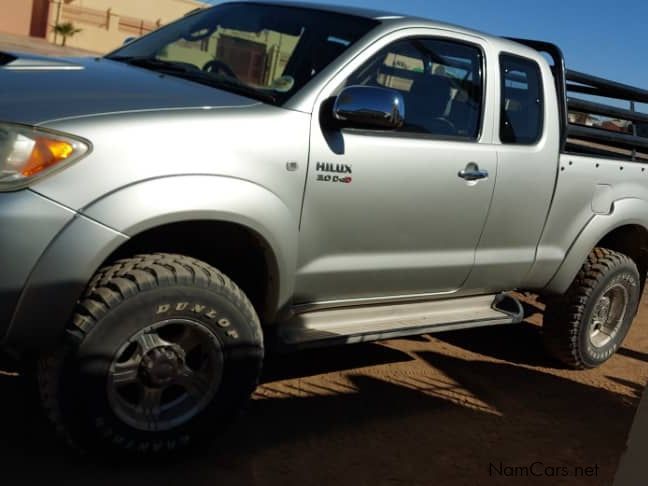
(230, 84)
(226, 83)
(192, 73)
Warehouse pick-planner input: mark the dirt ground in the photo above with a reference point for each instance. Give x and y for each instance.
(456, 408)
(453, 408)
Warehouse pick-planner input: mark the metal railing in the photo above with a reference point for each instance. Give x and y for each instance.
(133, 25)
(104, 19)
(83, 15)
(598, 139)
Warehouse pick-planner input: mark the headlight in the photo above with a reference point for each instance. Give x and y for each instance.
(27, 153)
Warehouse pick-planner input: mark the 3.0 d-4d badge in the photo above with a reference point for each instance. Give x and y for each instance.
(333, 168)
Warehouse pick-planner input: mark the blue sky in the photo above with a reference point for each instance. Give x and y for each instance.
(606, 38)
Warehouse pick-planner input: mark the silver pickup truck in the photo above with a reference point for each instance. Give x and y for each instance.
(268, 176)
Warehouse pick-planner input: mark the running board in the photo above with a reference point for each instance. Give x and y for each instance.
(370, 323)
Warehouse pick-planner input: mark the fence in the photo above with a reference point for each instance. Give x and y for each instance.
(132, 25)
(103, 19)
(88, 16)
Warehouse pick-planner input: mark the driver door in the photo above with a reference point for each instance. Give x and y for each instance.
(386, 215)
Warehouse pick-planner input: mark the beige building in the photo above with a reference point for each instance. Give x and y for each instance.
(258, 58)
(104, 24)
(24, 17)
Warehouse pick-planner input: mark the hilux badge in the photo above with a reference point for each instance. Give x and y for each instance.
(335, 169)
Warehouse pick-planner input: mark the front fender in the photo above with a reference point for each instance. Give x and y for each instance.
(61, 274)
(629, 211)
(165, 200)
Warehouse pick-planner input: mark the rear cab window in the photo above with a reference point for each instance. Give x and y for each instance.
(521, 112)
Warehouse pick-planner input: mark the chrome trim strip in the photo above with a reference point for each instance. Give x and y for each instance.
(389, 299)
(42, 68)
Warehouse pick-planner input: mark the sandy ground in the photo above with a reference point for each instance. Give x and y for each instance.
(453, 408)
(450, 409)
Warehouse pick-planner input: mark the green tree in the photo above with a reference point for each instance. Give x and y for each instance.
(65, 30)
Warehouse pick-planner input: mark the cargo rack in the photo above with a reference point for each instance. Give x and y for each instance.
(629, 140)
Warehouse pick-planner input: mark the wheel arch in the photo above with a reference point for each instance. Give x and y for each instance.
(197, 214)
(159, 213)
(625, 230)
(240, 252)
(631, 240)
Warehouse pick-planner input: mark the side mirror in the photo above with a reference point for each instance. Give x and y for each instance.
(128, 40)
(370, 106)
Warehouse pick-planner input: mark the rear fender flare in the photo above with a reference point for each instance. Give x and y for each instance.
(625, 212)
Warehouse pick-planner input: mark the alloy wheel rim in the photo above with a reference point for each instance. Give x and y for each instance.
(165, 375)
(608, 315)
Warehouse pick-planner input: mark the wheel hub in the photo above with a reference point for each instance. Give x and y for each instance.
(165, 374)
(162, 365)
(602, 312)
(607, 316)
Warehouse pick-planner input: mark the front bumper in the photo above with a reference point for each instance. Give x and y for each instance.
(48, 254)
(28, 223)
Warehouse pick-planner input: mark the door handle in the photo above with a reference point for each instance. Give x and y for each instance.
(472, 173)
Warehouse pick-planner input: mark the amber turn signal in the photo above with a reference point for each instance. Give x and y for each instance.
(27, 153)
(45, 154)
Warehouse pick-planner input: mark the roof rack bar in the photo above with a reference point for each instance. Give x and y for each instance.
(579, 88)
(615, 89)
(595, 86)
(607, 137)
(593, 148)
(605, 110)
(609, 93)
(633, 108)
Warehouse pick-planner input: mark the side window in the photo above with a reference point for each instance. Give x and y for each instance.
(521, 116)
(441, 83)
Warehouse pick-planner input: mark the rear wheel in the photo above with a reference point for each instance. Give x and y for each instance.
(162, 351)
(587, 325)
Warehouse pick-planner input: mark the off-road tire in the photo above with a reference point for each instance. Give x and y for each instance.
(122, 299)
(567, 318)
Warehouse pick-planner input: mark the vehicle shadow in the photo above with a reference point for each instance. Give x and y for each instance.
(516, 343)
(630, 353)
(427, 415)
(636, 388)
(325, 360)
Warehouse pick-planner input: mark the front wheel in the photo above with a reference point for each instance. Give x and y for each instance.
(163, 351)
(587, 325)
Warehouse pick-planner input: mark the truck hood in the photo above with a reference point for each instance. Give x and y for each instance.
(37, 89)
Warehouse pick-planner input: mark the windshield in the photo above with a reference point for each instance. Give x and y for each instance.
(254, 49)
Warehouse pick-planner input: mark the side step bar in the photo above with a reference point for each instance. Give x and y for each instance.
(374, 322)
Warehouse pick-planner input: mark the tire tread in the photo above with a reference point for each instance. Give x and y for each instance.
(112, 285)
(564, 314)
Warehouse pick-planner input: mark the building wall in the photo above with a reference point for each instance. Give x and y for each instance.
(166, 10)
(15, 16)
(105, 24)
(40, 14)
(258, 60)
